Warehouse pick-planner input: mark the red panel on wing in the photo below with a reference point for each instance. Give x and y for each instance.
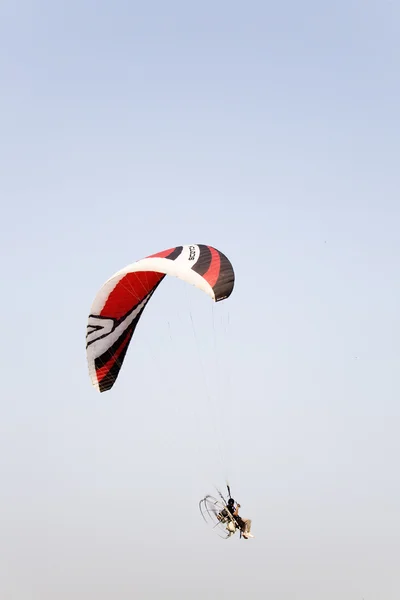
(162, 254)
(212, 274)
(129, 291)
(105, 369)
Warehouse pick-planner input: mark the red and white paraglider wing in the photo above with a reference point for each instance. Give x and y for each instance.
(120, 302)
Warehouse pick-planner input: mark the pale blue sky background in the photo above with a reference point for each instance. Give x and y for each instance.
(272, 131)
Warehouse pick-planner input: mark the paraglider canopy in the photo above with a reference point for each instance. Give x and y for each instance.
(120, 302)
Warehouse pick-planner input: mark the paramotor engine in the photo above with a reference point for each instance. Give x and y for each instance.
(216, 513)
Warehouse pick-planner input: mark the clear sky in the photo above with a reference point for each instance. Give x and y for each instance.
(271, 131)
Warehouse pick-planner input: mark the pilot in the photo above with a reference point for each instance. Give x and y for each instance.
(244, 524)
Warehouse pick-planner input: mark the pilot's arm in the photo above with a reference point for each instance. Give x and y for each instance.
(235, 514)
